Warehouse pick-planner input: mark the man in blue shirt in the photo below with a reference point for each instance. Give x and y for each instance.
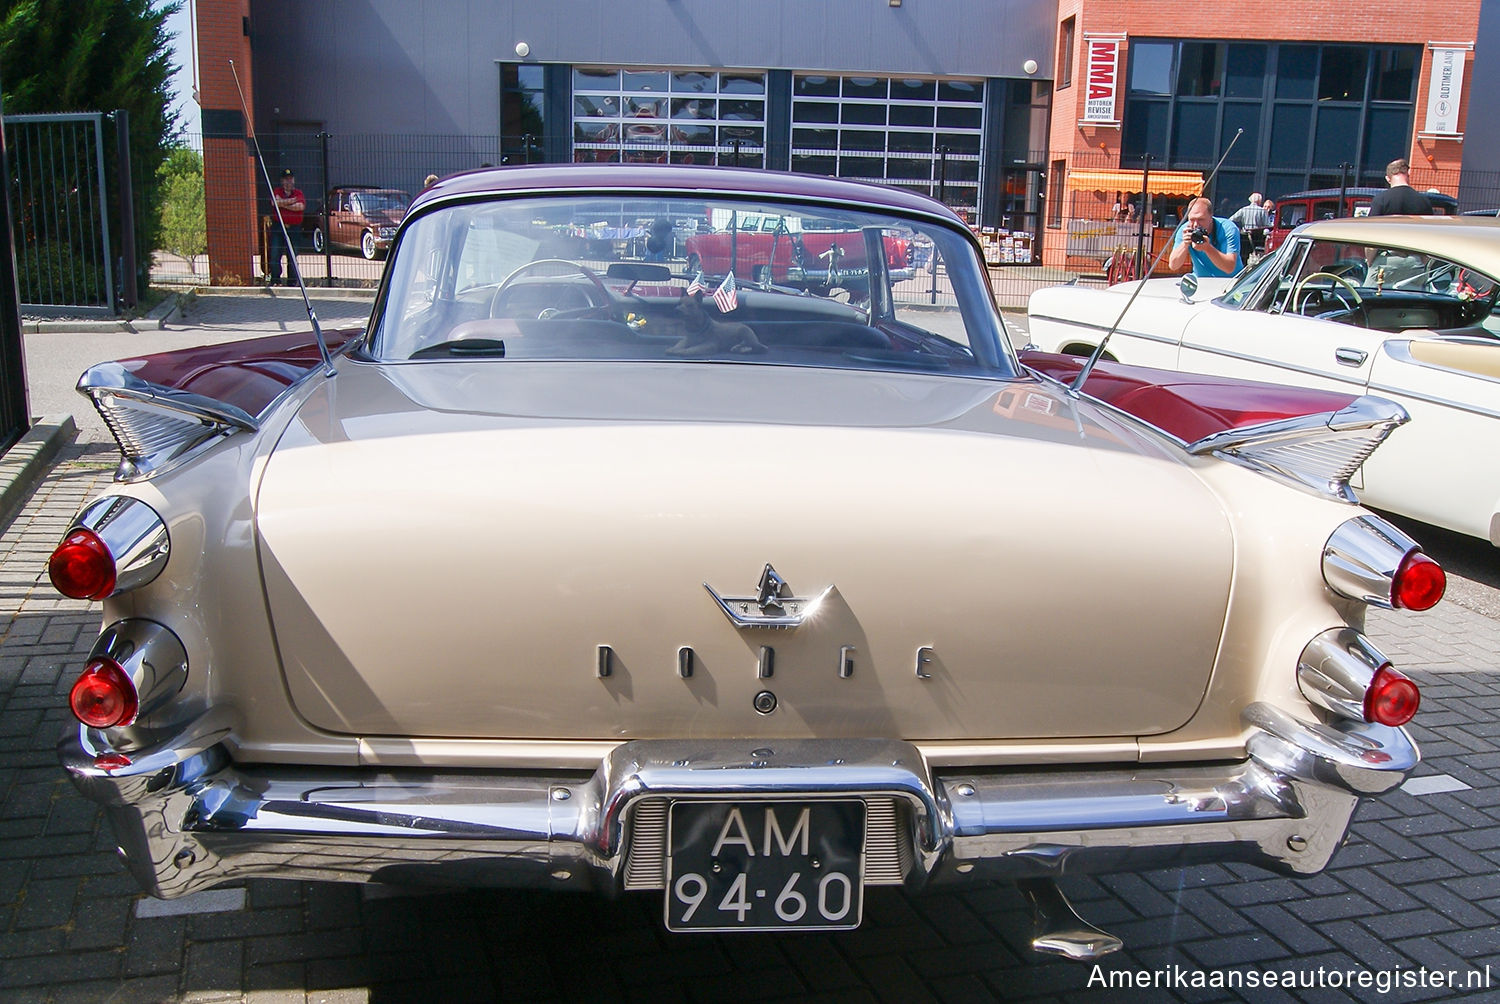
(1212, 243)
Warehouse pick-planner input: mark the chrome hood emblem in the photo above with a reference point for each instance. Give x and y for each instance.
(772, 606)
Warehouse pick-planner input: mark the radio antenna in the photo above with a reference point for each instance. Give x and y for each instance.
(312, 315)
(1077, 386)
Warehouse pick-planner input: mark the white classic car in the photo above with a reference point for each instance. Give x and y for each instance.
(593, 574)
(1400, 307)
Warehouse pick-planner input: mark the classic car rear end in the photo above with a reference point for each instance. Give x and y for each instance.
(754, 606)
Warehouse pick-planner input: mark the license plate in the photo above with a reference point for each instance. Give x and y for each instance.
(758, 866)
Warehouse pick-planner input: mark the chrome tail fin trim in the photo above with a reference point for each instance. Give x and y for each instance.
(1318, 453)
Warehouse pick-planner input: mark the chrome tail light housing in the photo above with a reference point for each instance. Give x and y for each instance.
(116, 544)
(135, 667)
(1342, 673)
(1369, 560)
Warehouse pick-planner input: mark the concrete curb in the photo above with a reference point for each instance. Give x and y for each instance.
(171, 309)
(25, 463)
(292, 292)
(153, 321)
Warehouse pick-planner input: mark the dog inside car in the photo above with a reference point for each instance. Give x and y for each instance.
(703, 334)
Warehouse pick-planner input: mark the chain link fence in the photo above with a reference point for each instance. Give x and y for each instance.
(1045, 221)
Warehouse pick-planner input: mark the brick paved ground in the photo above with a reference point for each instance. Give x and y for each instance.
(1418, 884)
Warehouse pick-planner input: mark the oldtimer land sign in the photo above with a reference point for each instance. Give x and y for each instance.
(1446, 90)
(1103, 80)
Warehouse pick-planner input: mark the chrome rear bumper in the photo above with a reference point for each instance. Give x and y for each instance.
(187, 817)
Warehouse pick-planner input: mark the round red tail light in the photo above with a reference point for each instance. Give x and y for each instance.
(1391, 698)
(1419, 582)
(82, 567)
(104, 696)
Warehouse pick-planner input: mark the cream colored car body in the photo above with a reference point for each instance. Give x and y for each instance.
(482, 617)
(1449, 383)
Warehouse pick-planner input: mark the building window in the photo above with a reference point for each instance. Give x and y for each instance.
(1055, 188)
(669, 116)
(1067, 38)
(1301, 112)
(919, 134)
(1151, 67)
(522, 113)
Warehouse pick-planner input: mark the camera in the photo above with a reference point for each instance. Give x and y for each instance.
(1197, 235)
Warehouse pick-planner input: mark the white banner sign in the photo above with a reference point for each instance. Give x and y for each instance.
(1103, 81)
(1445, 92)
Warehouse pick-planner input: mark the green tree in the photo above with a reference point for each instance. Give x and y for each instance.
(183, 227)
(98, 55)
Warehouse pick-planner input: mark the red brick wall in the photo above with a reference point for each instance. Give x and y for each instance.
(229, 172)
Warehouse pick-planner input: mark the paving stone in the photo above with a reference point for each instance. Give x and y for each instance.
(154, 945)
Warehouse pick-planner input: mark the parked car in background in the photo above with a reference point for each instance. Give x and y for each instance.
(1395, 306)
(817, 255)
(1323, 204)
(362, 218)
(559, 574)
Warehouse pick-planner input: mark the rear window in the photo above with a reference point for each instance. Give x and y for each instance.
(687, 279)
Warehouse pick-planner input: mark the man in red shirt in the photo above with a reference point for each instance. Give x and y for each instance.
(289, 206)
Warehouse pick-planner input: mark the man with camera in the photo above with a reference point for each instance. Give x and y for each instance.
(1213, 244)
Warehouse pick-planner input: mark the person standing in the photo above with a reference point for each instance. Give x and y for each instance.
(1254, 220)
(1250, 215)
(1211, 243)
(1400, 199)
(289, 204)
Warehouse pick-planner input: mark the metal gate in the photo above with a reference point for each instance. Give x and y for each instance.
(61, 213)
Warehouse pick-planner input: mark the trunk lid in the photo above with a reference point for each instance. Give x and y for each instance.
(446, 546)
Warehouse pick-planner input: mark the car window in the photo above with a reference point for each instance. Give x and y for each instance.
(673, 278)
(1239, 295)
(1291, 214)
(1384, 288)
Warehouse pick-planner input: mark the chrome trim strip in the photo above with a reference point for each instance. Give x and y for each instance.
(1336, 669)
(1361, 558)
(135, 535)
(190, 818)
(1263, 361)
(1091, 326)
(1362, 413)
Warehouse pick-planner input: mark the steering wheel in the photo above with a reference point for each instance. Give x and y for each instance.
(1301, 308)
(606, 306)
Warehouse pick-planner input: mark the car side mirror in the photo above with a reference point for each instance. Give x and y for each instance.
(1188, 285)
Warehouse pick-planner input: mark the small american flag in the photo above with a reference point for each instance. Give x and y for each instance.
(727, 296)
(696, 286)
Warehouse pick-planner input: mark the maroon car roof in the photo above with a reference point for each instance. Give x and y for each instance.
(673, 177)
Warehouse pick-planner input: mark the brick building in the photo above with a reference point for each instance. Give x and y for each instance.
(1319, 95)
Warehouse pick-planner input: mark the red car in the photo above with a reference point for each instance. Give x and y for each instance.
(361, 217)
(1323, 204)
(795, 252)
